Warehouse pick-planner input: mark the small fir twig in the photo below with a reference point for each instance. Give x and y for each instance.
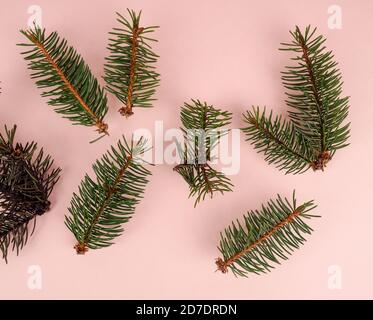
(103, 205)
(279, 140)
(202, 128)
(67, 80)
(265, 237)
(130, 72)
(316, 129)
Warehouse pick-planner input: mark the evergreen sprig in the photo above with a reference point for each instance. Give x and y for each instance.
(67, 80)
(281, 143)
(26, 181)
(130, 72)
(202, 129)
(102, 205)
(265, 237)
(318, 110)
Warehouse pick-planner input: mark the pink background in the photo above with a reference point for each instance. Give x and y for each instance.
(224, 52)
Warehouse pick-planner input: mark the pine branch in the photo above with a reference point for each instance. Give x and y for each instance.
(67, 80)
(202, 125)
(266, 237)
(314, 94)
(26, 181)
(316, 129)
(278, 139)
(102, 206)
(130, 72)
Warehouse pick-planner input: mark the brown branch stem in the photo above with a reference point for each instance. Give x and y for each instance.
(315, 90)
(224, 264)
(102, 127)
(127, 109)
(207, 181)
(82, 247)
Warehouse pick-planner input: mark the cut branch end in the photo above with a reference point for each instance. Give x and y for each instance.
(321, 161)
(102, 127)
(126, 111)
(81, 248)
(222, 266)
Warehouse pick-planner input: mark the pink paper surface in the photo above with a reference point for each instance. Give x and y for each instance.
(224, 52)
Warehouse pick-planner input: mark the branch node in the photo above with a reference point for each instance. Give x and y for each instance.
(222, 266)
(81, 248)
(102, 127)
(126, 111)
(321, 161)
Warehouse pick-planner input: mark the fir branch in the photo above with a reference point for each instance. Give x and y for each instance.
(26, 181)
(73, 90)
(278, 139)
(130, 72)
(202, 125)
(102, 206)
(265, 237)
(315, 88)
(316, 128)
